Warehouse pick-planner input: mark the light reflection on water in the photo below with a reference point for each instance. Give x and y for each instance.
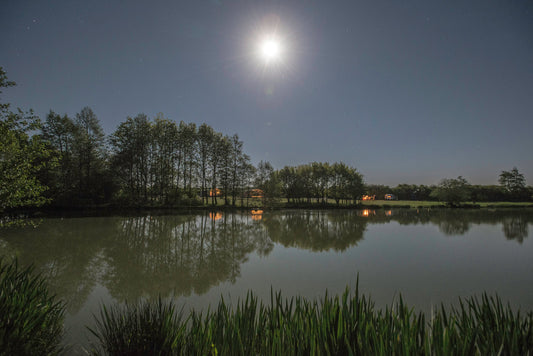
(428, 256)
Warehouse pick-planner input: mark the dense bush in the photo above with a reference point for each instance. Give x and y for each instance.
(31, 320)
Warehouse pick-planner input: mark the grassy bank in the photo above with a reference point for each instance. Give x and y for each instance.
(402, 204)
(107, 210)
(436, 204)
(336, 325)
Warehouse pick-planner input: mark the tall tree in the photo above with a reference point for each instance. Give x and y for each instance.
(164, 140)
(339, 181)
(267, 181)
(238, 161)
(226, 153)
(355, 185)
(215, 161)
(22, 156)
(514, 184)
(245, 176)
(4, 83)
(306, 184)
(288, 182)
(321, 176)
(89, 149)
(452, 191)
(60, 133)
(131, 158)
(205, 136)
(187, 139)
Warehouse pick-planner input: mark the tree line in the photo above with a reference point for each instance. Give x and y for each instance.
(69, 161)
(319, 182)
(161, 162)
(158, 162)
(454, 191)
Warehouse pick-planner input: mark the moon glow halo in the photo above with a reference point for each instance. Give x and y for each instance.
(270, 50)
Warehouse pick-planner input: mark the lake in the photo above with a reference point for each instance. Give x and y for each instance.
(427, 256)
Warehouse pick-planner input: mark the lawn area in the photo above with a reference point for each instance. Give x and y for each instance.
(282, 203)
(506, 204)
(402, 203)
(429, 204)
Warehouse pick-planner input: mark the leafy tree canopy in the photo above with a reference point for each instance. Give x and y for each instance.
(452, 191)
(22, 156)
(513, 181)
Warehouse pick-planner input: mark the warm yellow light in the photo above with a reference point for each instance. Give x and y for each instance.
(215, 216)
(257, 214)
(367, 213)
(217, 192)
(256, 193)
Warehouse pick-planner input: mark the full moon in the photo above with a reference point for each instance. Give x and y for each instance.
(270, 49)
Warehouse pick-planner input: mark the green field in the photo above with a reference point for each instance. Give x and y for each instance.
(401, 203)
(282, 203)
(428, 204)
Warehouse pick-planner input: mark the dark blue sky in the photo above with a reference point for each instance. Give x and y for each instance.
(405, 91)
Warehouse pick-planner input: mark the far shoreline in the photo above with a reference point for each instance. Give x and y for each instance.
(125, 210)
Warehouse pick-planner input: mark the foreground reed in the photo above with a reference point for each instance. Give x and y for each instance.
(140, 329)
(31, 320)
(336, 325)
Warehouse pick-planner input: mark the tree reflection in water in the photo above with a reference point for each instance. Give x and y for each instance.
(68, 252)
(458, 222)
(173, 255)
(515, 227)
(316, 230)
(455, 222)
(180, 255)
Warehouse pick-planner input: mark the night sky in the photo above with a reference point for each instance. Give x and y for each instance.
(405, 91)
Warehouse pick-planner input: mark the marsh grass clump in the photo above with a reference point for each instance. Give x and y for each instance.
(336, 325)
(31, 320)
(139, 329)
(482, 327)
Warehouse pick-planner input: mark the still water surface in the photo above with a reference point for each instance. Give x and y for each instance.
(429, 256)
